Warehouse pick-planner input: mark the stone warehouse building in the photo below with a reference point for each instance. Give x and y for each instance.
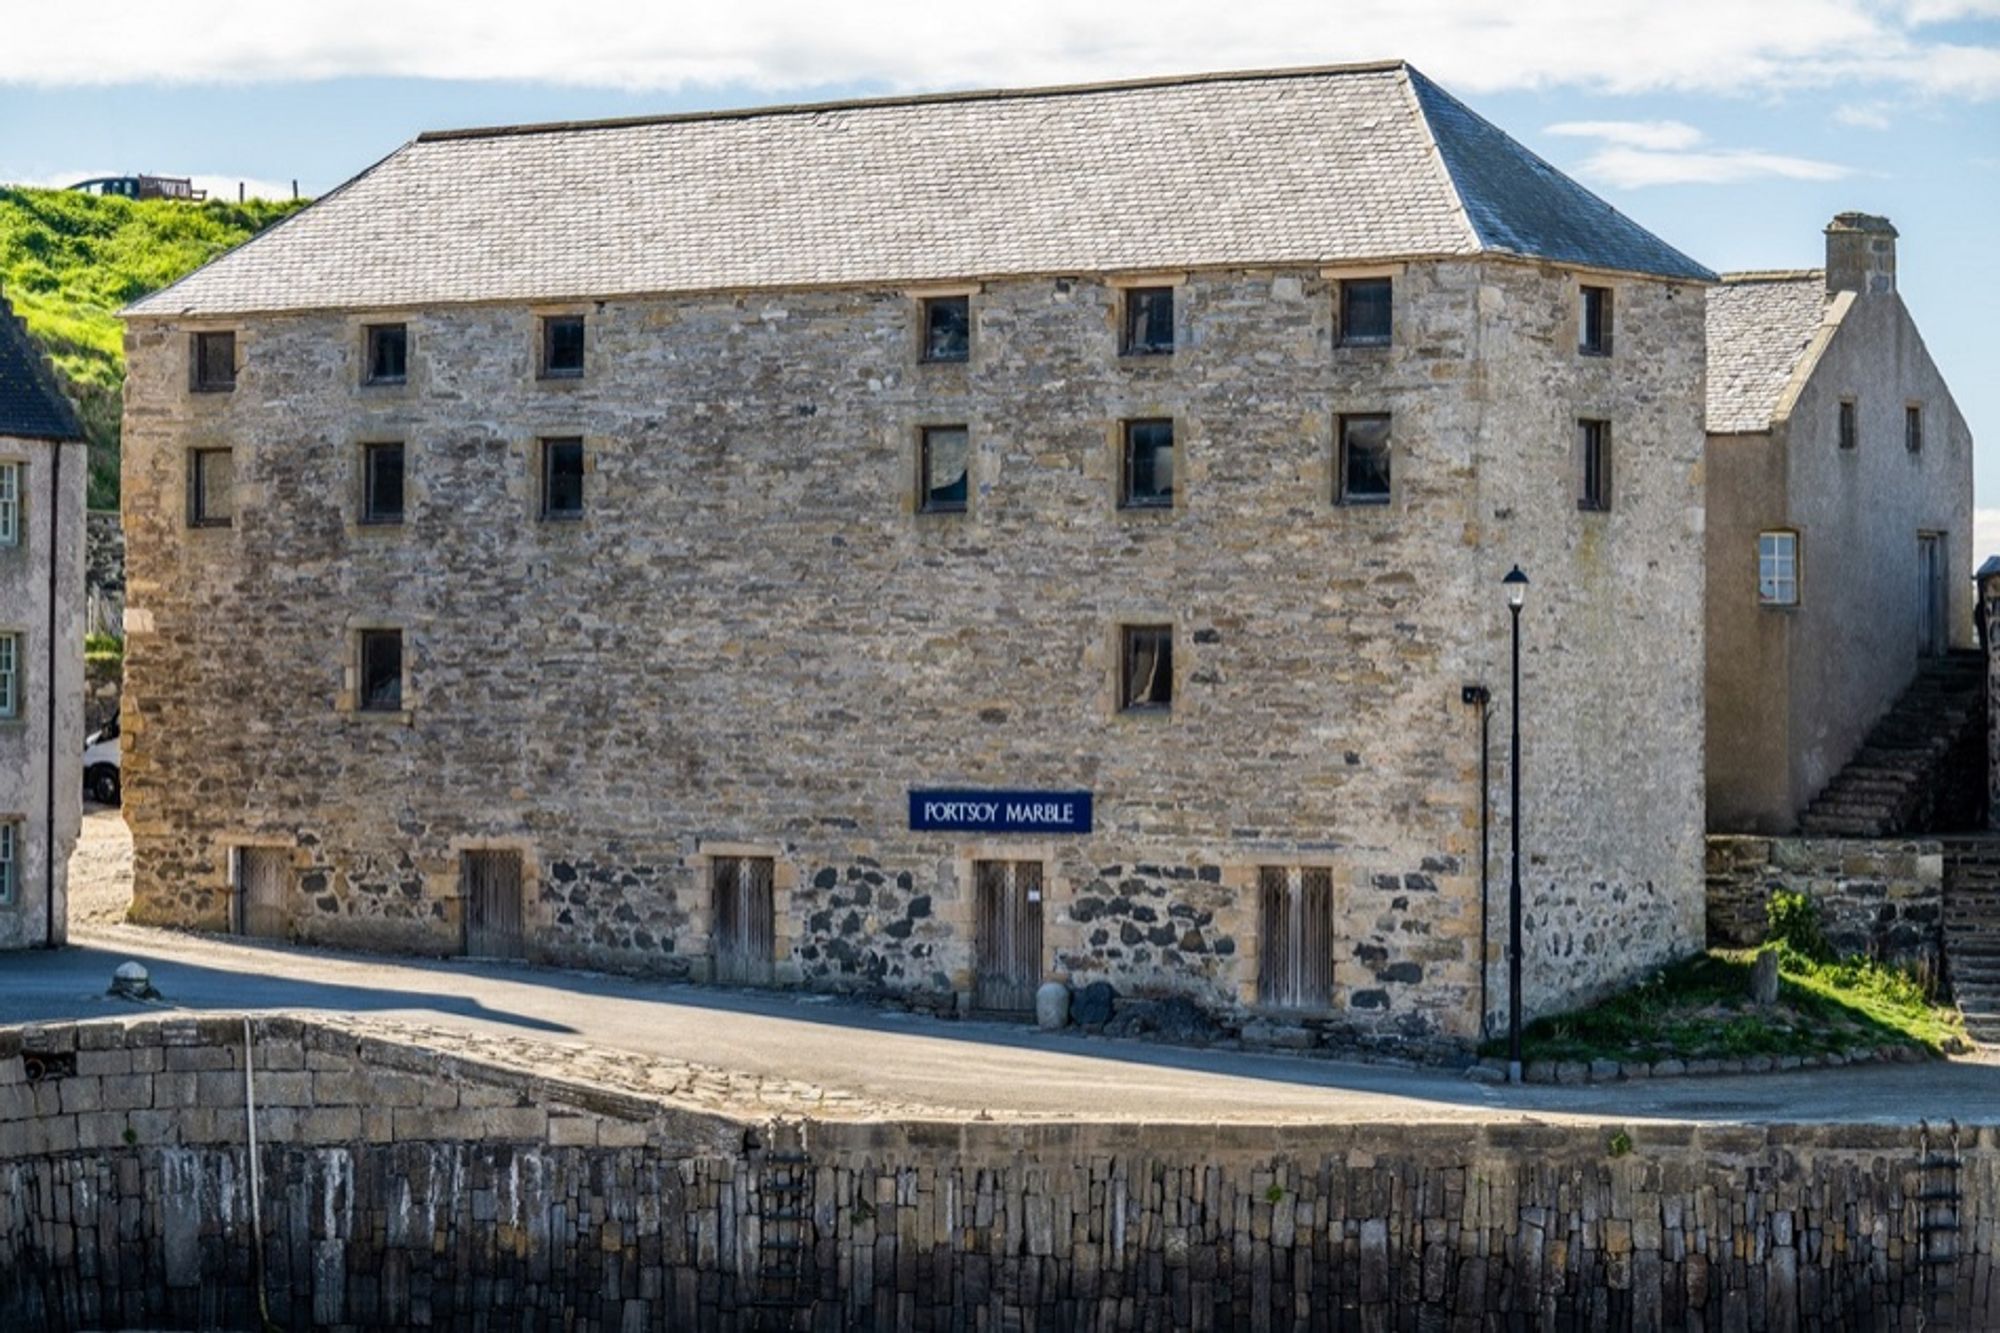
(42, 471)
(654, 544)
(1839, 489)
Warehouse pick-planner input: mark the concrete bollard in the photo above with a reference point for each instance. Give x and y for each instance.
(1052, 1006)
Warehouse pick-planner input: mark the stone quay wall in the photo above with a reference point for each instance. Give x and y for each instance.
(752, 643)
(1880, 898)
(535, 1202)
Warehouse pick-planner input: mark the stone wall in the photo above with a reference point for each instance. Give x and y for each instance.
(1881, 899)
(753, 641)
(461, 1196)
(103, 680)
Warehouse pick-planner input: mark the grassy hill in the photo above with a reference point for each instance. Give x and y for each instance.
(69, 262)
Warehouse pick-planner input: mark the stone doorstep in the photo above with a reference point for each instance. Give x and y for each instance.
(1492, 1070)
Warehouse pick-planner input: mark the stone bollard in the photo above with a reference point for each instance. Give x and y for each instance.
(1052, 1006)
(132, 982)
(1764, 978)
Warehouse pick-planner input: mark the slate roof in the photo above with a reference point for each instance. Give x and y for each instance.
(1759, 325)
(1297, 166)
(32, 406)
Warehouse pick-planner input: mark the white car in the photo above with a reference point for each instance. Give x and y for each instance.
(100, 765)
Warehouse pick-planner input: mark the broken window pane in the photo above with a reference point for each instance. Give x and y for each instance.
(1778, 568)
(946, 452)
(1147, 679)
(1364, 459)
(948, 328)
(1149, 320)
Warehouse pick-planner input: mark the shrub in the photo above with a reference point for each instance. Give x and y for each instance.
(1794, 925)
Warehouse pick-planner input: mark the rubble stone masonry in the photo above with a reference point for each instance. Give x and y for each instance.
(753, 640)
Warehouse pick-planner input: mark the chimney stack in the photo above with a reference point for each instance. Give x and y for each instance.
(1860, 254)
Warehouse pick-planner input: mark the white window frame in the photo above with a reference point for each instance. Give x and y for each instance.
(10, 862)
(1778, 567)
(10, 502)
(10, 675)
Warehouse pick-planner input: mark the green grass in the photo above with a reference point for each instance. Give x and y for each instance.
(69, 262)
(103, 648)
(1700, 1008)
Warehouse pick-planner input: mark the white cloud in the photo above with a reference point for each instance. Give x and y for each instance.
(1667, 152)
(1720, 46)
(1948, 11)
(1863, 115)
(1649, 134)
(1985, 535)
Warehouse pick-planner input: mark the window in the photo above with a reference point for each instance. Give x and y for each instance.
(382, 483)
(947, 328)
(10, 675)
(1913, 434)
(562, 479)
(743, 927)
(381, 671)
(1146, 669)
(562, 347)
(212, 362)
(1364, 460)
(10, 504)
(211, 488)
(388, 354)
(10, 861)
(1593, 447)
(1295, 947)
(1850, 426)
(942, 471)
(1149, 321)
(1365, 312)
(1147, 470)
(1594, 330)
(1778, 568)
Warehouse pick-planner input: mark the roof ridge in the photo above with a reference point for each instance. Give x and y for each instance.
(1749, 275)
(916, 99)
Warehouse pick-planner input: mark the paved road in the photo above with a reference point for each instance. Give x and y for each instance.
(955, 1066)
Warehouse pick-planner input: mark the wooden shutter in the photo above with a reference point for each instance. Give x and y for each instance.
(491, 883)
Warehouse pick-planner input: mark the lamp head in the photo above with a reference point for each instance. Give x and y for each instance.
(1516, 586)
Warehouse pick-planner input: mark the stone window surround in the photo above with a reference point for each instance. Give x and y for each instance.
(356, 327)
(370, 333)
(1118, 285)
(1112, 645)
(538, 461)
(15, 822)
(1338, 274)
(1585, 284)
(194, 329)
(1607, 482)
(193, 523)
(1146, 410)
(1240, 877)
(348, 700)
(1336, 488)
(918, 495)
(538, 317)
(357, 512)
(920, 296)
(18, 538)
(701, 907)
(16, 714)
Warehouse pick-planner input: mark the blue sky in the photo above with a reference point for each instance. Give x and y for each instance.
(1733, 129)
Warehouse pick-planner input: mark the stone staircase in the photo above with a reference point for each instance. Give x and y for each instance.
(1891, 785)
(1972, 932)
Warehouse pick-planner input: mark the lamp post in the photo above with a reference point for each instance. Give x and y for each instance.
(1516, 587)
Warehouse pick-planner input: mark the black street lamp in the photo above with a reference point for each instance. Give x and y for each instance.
(1516, 586)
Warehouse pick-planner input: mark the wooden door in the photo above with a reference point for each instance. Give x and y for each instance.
(744, 930)
(1009, 934)
(1931, 594)
(263, 891)
(1295, 955)
(491, 884)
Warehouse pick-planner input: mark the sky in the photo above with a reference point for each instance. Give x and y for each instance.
(1733, 128)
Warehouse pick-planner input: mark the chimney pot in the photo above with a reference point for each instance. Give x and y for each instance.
(1860, 254)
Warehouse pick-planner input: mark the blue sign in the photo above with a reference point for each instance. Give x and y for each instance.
(957, 811)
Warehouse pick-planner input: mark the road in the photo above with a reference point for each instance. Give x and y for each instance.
(960, 1068)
